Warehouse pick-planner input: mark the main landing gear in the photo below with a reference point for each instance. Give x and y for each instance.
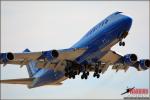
(85, 75)
(85, 72)
(97, 70)
(72, 69)
(70, 73)
(122, 37)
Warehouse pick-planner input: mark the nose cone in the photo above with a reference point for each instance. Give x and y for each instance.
(128, 21)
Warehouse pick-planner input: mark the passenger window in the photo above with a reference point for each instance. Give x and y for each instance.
(106, 21)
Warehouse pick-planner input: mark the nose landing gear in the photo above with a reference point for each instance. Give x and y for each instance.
(121, 37)
(121, 43)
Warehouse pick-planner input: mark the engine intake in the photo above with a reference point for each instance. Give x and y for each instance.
(10, 56)
(130, 59)
(147, 63)
(49, 54)
(5, 57)
(55, 53)
(144, 64)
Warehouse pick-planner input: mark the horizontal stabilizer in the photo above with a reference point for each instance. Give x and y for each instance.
(25, 81)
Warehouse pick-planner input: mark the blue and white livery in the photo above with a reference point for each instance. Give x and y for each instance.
(92, 53)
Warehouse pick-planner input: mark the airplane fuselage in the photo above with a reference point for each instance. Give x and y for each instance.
(99, 40)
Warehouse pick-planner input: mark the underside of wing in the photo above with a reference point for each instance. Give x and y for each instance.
(111, 57)
(44, 58)
(71, 53)
(124, 62)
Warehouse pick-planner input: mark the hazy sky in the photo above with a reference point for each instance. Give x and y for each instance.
(47, 25)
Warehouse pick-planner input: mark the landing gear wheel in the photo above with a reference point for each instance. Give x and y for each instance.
(121, 43)
(82, 77)
(87, 73)
(73, 76)
(94, 75)
(98, 75)
(75, 73)
(66, 74)
(100, 71)
(85, 76)
(69, 77)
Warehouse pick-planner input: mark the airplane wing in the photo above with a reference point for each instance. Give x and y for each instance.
(55, 59)
(44, 58)
(120, 62)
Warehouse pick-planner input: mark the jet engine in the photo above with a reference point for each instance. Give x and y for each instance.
(144, 64)
(5, 57)
(130, 59)
(50, 54)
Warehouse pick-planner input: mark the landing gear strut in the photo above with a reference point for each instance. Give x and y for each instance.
(70, 72)
(97, 70)
(85, 73)
(96, 75)
(121, 37)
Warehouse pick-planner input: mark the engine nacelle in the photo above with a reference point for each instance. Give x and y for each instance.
(50, 54)
(144, 64)
(130, 59)
(5, 57)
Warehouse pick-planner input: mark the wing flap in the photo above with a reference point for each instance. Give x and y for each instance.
(111, 57)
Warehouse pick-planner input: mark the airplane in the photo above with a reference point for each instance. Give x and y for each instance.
(127, 90)
(91, 54)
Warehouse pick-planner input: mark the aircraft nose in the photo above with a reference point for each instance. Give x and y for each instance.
(128, 21)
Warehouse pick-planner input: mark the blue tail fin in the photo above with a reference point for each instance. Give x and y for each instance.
(26, 50)
(31, 67)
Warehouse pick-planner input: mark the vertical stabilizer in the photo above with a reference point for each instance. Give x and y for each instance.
(31, 66)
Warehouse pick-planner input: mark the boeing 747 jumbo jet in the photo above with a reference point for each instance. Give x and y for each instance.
(90, 54)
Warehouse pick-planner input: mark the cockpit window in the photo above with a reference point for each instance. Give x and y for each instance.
(117, 13)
